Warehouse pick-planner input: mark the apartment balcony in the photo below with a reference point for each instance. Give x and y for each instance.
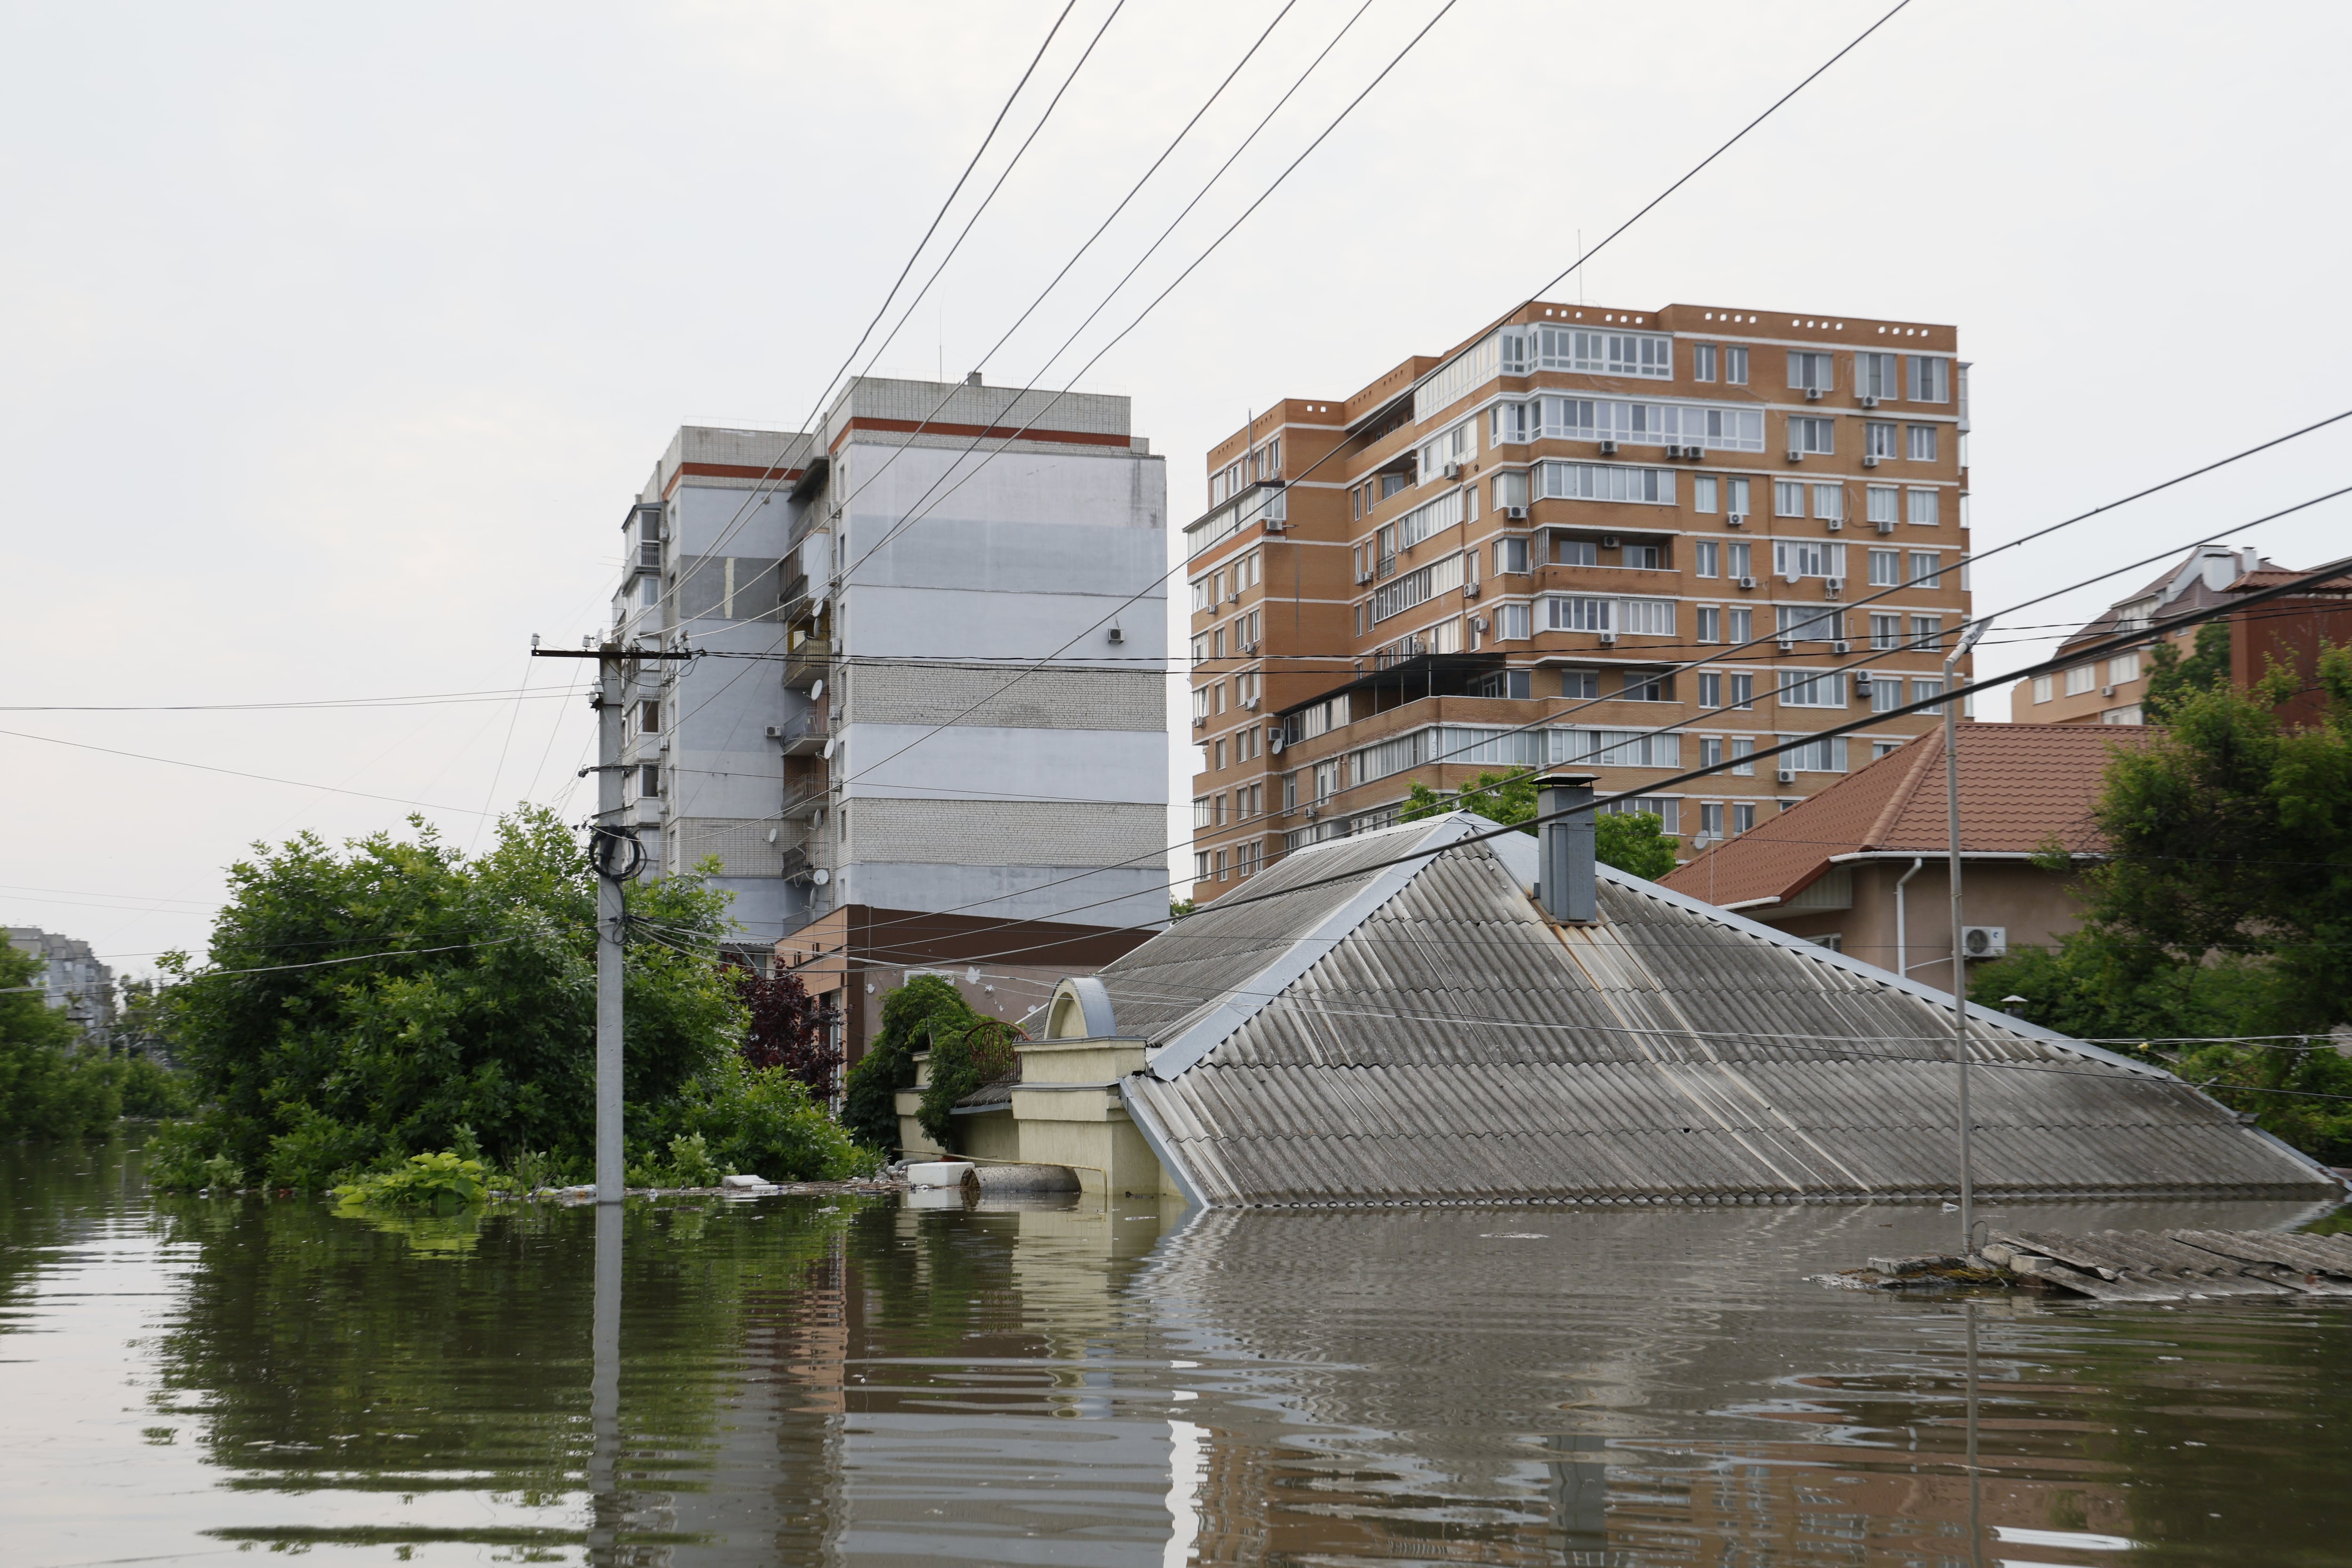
(807, 661)
(805, 734)
(807, 781)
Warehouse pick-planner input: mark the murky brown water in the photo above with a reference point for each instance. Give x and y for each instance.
(804, 1381)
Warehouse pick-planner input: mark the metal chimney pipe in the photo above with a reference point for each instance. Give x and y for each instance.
(1564, 848)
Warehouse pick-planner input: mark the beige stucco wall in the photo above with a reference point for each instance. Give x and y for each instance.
(2037, 906)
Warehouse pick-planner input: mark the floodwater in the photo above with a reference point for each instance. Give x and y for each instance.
(859, 1382)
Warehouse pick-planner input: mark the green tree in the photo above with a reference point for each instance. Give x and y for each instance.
(48, 1089)
(911, 1015)
(361, 1005)
(1631, 841)
(2171, 678)
(962, 1060)
(2224, 909)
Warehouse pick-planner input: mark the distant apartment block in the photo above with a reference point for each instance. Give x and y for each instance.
(2108, 690)
(1494, 559)
(950, 629)
(70, 976)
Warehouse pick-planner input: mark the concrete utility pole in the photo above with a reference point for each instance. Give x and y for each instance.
(606, 854)
(615, 857)
(1959, 952)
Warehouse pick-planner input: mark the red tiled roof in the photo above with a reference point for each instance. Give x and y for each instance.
(2022, 786)
(2272, 576)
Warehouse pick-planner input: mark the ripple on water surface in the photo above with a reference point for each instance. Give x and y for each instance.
(852, 1380)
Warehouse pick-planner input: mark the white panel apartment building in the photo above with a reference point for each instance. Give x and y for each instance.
(958, 707)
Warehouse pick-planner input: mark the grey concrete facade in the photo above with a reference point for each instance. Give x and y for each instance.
(71, 977)
(869, 724)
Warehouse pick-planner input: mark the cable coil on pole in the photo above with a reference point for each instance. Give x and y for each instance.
(616, 854)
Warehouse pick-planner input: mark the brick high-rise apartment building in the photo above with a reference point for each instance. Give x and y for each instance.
(1533, 528)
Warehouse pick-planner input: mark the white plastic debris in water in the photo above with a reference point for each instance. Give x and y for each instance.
(938, 1173)
(738, 1183)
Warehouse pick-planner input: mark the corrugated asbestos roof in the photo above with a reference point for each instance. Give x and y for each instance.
(2021, 787)
(1454, 1045)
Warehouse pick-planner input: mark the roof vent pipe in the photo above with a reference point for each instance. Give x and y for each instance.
(1564, 852)
(2250, 559)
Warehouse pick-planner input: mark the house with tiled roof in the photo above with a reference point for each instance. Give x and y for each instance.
(1861, 866)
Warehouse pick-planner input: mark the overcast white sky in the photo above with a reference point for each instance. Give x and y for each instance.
(336, 338)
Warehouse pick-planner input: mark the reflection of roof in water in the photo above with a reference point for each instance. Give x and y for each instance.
(1422, 1031)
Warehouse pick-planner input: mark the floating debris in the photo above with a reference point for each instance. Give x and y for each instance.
(2128, 1265)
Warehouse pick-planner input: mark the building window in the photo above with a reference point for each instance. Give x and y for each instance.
(1812, 688)
(1707, 559)
(1643, 557)
(1826, 755)
(1510, 556)
(1834, 941)
(1577, 553)
(1922, 690)
(1734, 366)
(1220, 750)
(1928, 632)
(1743, 816)
(1812, 372)
(2042, 690)
(1710, 624)
(1220, 859)
(1736, 498)
(1743, 757)
(2081, 678)
(1510, 622)
(648, 592)
(1511, 684)
(1922, 569)
(1878, 439)
(1808, 558)
(1829, 502)
(1608, 481)
(1885, 572)
(2124, 667)
(1246, 859)
(649, 779)
(1580, 683)
(1923, 443)
(1648, 689)
(1710, 695)
(1922, 508)
(1813, 436)
(1738, 623)
(1880, 501)
(1702, 362)
(2129, 715)
(1203, 812)
(1931, 379)
(1886, 696)
(1702, 494)
(1710, 819)
(1734, 562)
(1743, 695)
(1200, 866)
(1885, 631)
(1874, 376)
(1787, 499)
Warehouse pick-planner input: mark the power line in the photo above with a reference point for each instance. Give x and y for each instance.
(826, 391)
(423, 700)
(239, 772)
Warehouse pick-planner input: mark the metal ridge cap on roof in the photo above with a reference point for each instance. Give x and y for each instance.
(1212, 1029)
(1883, 977)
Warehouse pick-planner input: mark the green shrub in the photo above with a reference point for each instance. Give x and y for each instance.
(48, 1087)
(911, 1015)
(442, 1182)
(151, 1091)
(962, 1061)
(757, 1121)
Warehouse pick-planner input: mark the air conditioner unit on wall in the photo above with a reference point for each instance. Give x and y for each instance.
(1250, 703)
(1833, 524)
(1608, 639)
(1868, 401)
(1469, 590)
(1786, 775)
(1885, 525)
(1985, 941)
(1747, 582)
(1735, 520)
(1795, 455)
(1833, 587)
(1363, 576)
(1608, 448)
(1870, 459)
(1452, 470)
(1516, 513)
(1813, 394)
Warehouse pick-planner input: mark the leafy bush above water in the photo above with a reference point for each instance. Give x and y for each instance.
(51, 1084)
(464, 1019)
(442, 1183)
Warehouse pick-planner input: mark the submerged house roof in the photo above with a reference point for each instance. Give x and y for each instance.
(2023, 787)
(1346, 1030)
